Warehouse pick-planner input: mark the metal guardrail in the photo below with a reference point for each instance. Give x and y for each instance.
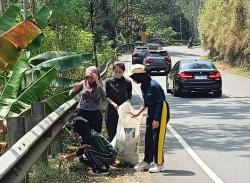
(17, 161)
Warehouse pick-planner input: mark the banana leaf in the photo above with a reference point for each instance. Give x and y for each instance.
(9, 54)
(11, 89)
(31, 76)
(22, 34)
(32, 93)
(63, 82)
(66, 62)
(8, 19)
(52, 103)
(13, 41)
(48, 56)
(42, 16)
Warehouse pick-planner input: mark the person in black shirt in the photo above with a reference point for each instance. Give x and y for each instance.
(95, 150)
(118, 90)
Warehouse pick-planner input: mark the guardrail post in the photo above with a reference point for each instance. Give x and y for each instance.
(16, 129)
(38, 109)
(56, 145)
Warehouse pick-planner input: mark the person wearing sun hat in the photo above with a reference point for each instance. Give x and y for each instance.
(157, 118)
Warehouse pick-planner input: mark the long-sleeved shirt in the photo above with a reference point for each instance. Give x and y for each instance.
(154, 97)
(118, 90)
(90, 100)
(98, 143)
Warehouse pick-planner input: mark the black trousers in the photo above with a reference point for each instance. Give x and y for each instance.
(111, 121)
(154, 139)
(96, 160)
(94, 117)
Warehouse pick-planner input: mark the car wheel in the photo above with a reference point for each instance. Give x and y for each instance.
(217, 93)
(175, 92)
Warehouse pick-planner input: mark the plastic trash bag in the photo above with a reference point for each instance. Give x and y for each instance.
(127, 137)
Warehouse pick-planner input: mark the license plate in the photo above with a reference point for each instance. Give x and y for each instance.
(200, 77)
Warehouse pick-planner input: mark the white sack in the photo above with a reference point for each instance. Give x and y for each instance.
(127, 138)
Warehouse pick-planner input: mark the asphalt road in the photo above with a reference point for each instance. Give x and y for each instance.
(208, 139)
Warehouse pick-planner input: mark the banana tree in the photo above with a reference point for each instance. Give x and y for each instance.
(29, 80)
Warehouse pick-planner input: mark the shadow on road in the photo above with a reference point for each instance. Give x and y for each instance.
(178, 173)
(212, 135)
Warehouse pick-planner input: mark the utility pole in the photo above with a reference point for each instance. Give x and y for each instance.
(93, 32)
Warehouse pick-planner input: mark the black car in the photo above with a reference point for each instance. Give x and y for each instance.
(139, 54)
(194, 75)
(158, 60)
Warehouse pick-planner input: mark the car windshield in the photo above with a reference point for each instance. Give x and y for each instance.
(197, 65)
(158, 54)
(141, 49)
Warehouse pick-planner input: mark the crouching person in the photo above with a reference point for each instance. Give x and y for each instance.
(95, 150)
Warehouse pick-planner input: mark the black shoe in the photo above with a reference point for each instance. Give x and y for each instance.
(101, 171)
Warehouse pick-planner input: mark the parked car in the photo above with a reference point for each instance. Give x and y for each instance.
(157, 60)
(194, 75)
(139, 54)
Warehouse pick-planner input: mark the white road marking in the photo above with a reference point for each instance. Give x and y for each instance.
(195, 157)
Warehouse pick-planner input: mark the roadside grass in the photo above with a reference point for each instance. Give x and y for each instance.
(223, 66)
(73, 171)
(236, 70)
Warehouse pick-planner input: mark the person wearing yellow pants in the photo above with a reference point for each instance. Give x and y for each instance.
(157, 118)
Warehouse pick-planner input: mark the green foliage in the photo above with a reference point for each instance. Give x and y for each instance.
(224, 30)
(62, 63)
(11, 88)
(56, 100)
(106, 51)
(8, 20)
(67, 173)
(32, 93)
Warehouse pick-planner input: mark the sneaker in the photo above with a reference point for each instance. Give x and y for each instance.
(142, 166)
(156, 168)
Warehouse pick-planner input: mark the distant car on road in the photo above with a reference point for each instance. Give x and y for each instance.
(157, 60)
(194, 75)
(153, 46)
(155, 40)
(139, 54)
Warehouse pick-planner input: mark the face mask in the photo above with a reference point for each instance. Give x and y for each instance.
(117, 75)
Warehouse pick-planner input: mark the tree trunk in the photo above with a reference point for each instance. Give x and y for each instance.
(33, 7)
(25, 8)
(2, 7)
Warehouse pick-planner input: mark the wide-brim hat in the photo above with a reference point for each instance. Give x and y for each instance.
(136, 69)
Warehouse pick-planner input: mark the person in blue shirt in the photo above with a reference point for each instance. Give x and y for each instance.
(157, 118)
